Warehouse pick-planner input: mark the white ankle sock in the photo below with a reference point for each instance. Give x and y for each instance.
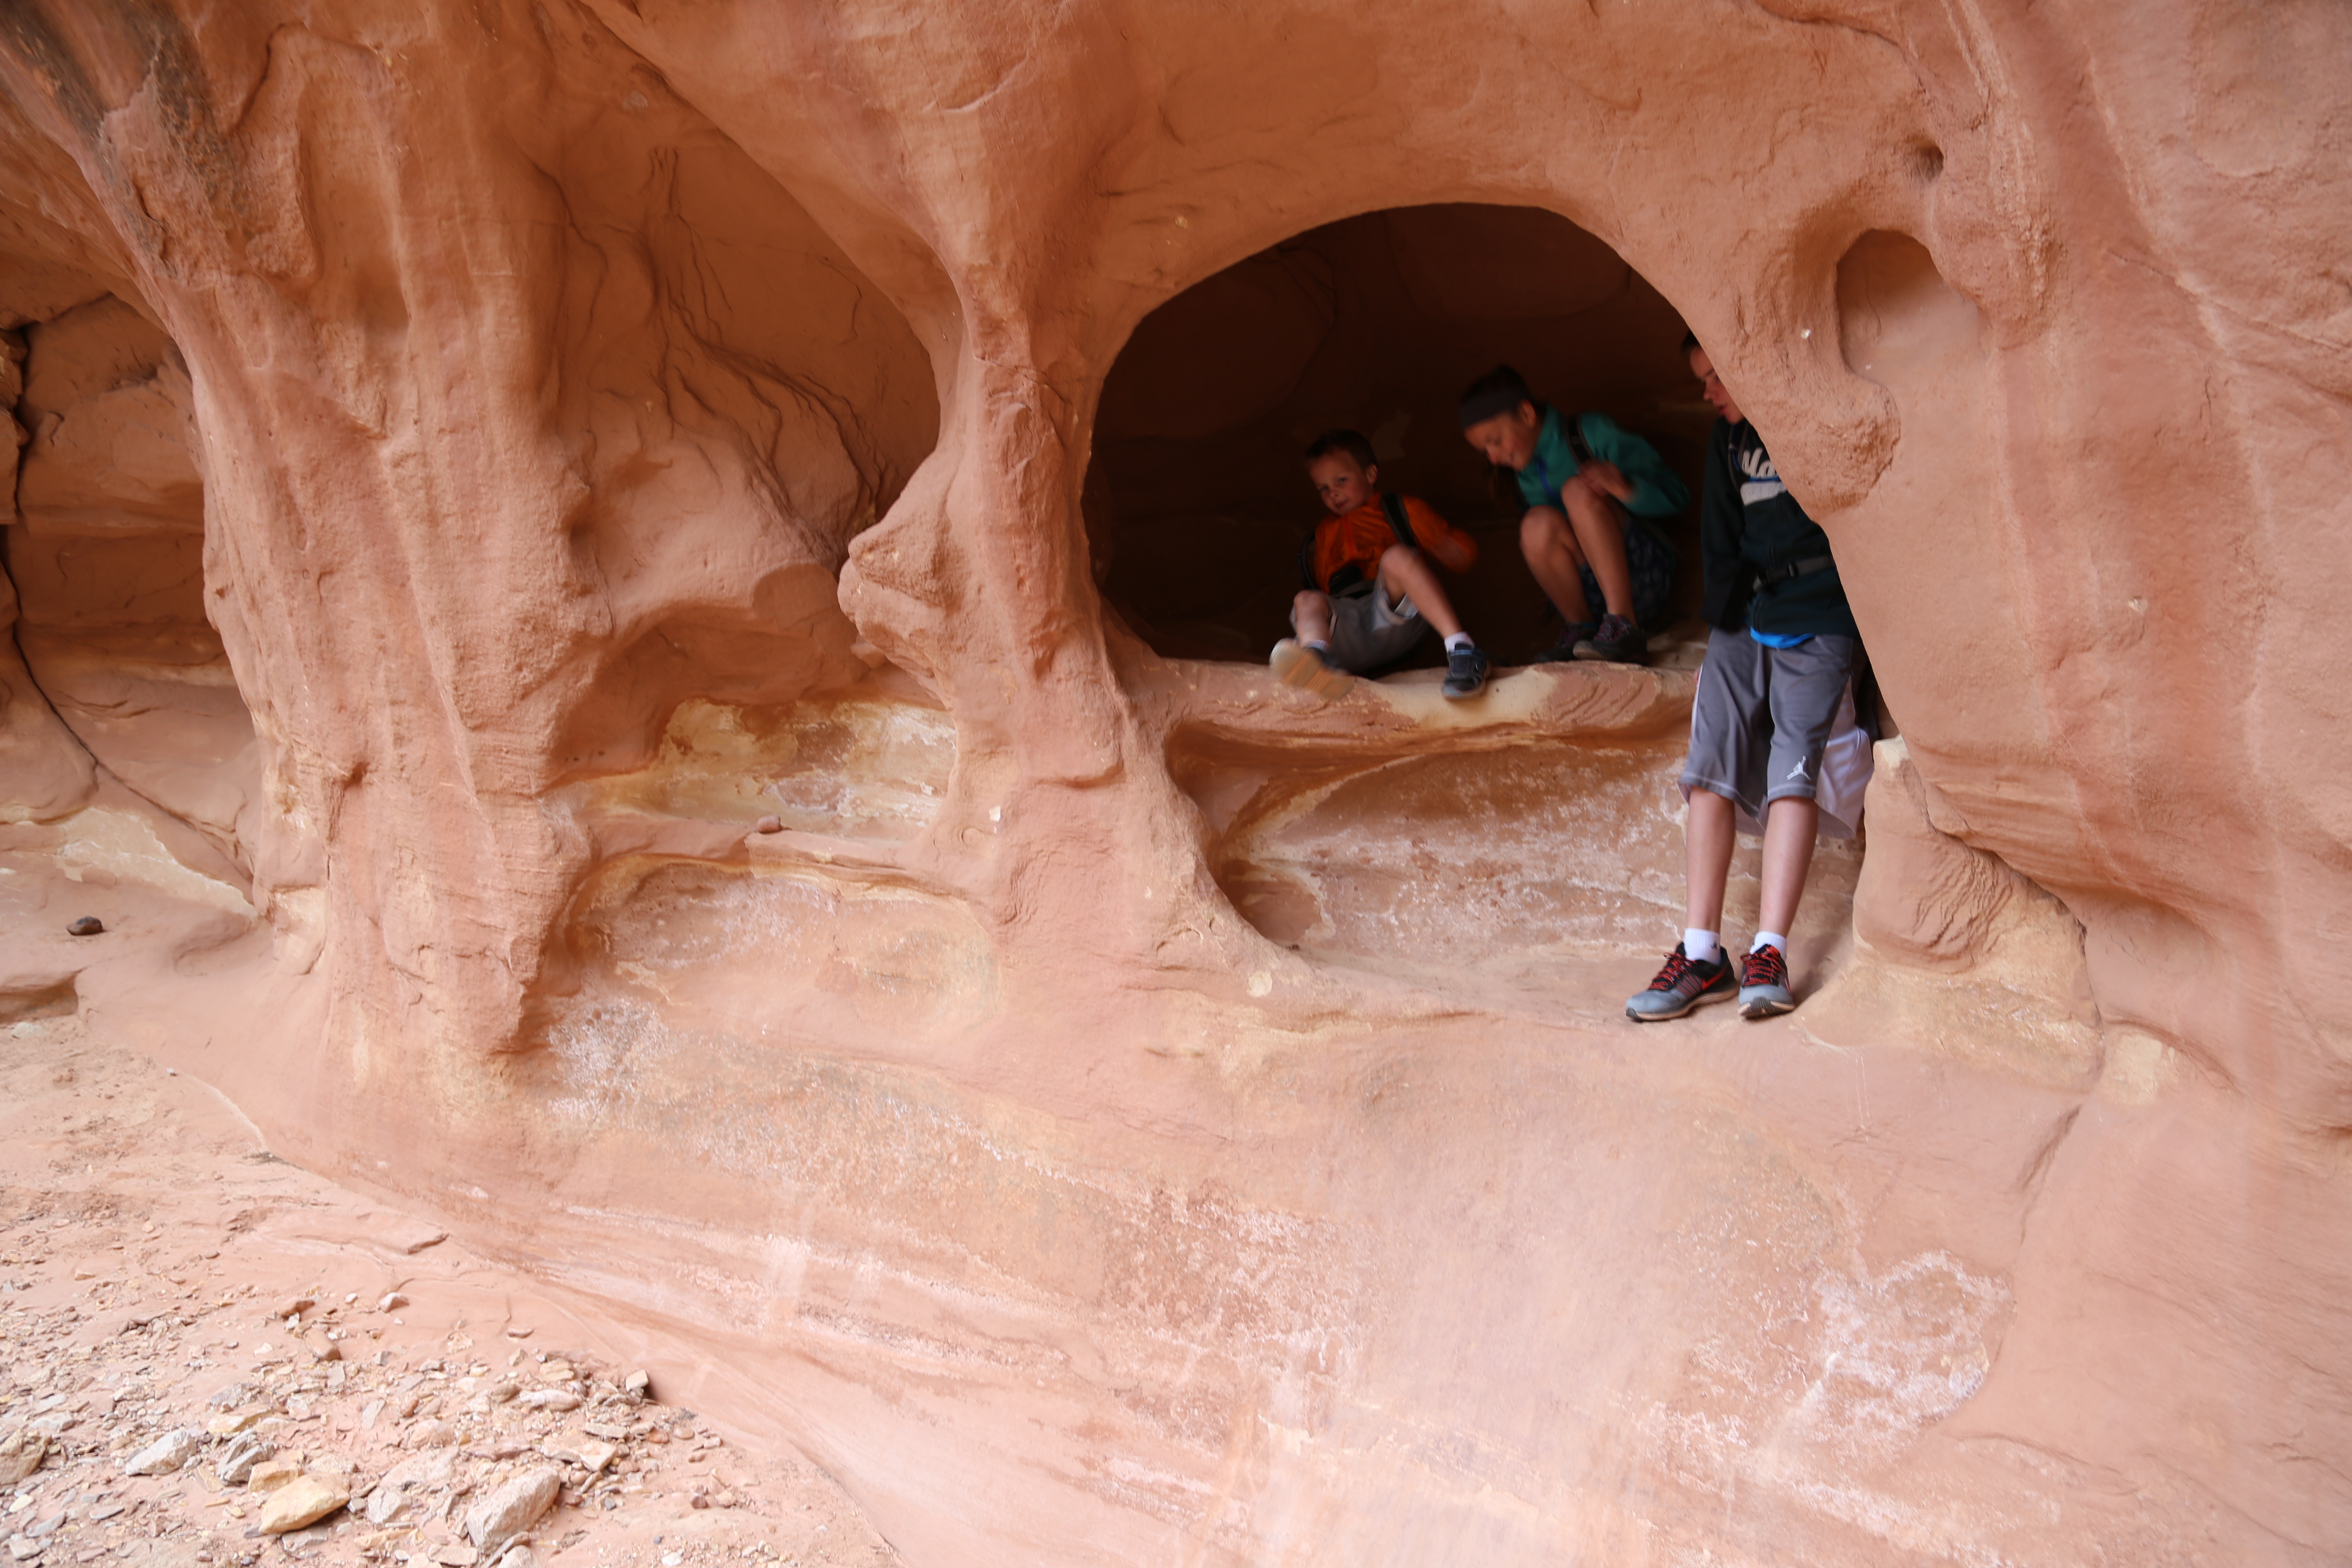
(1459, 639)
(1770, 939)
(1318, 644)
(1699, 946)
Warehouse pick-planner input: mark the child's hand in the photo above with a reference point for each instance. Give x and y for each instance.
(1606, 478)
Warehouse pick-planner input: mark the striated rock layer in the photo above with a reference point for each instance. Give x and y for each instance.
(476, 458)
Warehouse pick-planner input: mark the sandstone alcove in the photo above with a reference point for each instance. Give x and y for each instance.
(1126, 1116)
(1197, 498)
(104, 556)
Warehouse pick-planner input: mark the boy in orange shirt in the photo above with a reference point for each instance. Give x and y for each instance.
(1371, 593)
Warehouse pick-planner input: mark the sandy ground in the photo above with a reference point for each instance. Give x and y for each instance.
(152, 1256)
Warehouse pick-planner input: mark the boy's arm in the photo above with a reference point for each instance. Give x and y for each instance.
(1455, 549)
(1658, 490)
(1720, 524)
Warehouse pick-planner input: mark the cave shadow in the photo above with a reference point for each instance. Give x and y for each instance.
(1196, 501)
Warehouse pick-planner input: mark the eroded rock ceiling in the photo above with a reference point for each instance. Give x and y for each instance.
(475, 459)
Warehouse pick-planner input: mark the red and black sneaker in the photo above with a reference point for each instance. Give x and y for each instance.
(1681, 986)
(1764, 983)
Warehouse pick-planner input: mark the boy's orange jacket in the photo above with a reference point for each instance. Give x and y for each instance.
(1359, 538)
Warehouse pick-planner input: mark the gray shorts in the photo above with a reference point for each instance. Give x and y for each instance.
(1367, 632)
(1762, 716)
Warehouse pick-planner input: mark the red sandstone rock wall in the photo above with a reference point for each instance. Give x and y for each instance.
(584, 398)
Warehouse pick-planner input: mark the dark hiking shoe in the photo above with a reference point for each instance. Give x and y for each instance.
(1764, 983)
(1563, 650)
(1465, 673)
(1295, 664)
(1681, 986)
(1616, 641)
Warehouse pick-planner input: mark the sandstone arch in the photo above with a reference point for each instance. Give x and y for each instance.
(1051, 1204)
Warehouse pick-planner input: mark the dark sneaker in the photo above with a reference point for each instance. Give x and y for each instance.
(1465, 673)
(1764, 983)
(1563, 650)
(1295, 664)
(1616, 641)
(1681, 986)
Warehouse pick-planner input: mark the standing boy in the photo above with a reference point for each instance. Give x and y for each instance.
(1781, 652)
(1371, 591)
(1588, 484)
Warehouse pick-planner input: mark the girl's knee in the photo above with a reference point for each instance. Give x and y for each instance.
(1541, 525)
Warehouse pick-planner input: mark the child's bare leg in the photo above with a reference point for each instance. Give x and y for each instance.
(1789, 825)
(1549, 545)
(1406, 573)
(1600, 525)
(1310, 613)
(1707, 836)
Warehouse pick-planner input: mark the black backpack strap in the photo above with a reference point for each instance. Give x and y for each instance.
(1306, 562)
(1581, 449)
(1400, 522)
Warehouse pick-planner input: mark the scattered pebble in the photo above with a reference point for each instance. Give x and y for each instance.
(303, 1500)
(149, 1320)
(88, 925)
(165, 1454)
(511, 1509)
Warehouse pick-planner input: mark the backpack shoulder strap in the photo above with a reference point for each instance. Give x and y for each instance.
(1306, 560)
(1574, 425)
(1399, 521)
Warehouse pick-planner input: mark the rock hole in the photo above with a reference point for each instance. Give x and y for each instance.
(1196, 501)
(106, 558)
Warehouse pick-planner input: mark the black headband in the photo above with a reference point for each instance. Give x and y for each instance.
(1491, 401)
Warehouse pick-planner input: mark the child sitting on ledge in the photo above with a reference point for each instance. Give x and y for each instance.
(1589, 485)
(1371, 592)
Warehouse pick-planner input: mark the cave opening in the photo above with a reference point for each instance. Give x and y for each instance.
(103, 556)
(1197, 501)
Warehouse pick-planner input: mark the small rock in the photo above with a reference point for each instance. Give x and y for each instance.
(305, 1499)
(638, 1384)
(23, 1548)
(607, 1430)
(368, 1413)
(769, 825)
(430, 1434)
(288, 1306)
(165, 1454)
(404, 1488)
(21, 1453)
(595, 1456)
(392, 1300)
(88, 925)
(549, 1399)
(512, 1508)
(228, 1398)
(230, 1426)
(236, 1462)
(519, 1556)
(499, 1392)
(456, 1554)
(271, 1475)
(519, 1333)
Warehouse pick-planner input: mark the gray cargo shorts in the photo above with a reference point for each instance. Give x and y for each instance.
(1367, 632)
(1762, 716)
